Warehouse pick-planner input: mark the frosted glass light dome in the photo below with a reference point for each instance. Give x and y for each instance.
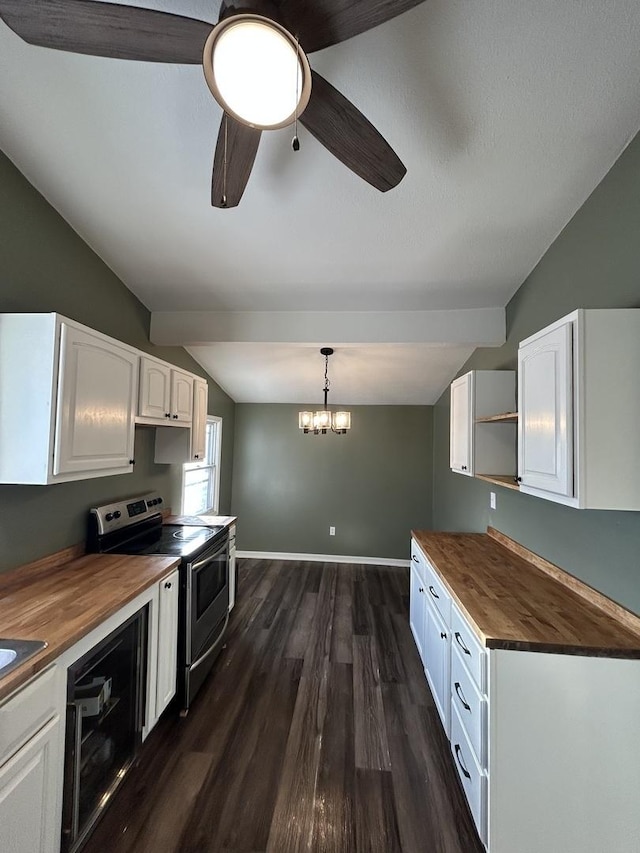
(256, 71)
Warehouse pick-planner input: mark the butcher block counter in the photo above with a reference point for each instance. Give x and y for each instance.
(516, 600)
(61, 603)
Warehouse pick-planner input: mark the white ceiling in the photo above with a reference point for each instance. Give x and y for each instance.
(507, 113)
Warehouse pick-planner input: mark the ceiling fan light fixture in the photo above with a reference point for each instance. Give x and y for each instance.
(257, 71)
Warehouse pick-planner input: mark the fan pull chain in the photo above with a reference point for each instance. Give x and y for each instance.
(295, 142)
(224, 163)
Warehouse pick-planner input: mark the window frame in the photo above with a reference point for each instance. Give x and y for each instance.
(213, 465)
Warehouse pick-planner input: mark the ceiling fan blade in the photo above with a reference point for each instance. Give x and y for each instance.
(321, 23)
(349, 136)
(107, 29)
(241, 145)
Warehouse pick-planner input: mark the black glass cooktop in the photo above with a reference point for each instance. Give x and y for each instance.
(175, 540)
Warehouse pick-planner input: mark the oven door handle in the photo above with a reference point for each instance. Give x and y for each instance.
(209, 558)
(212, 648)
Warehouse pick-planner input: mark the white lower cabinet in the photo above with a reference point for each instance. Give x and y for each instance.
(417, 610)
(437, 664)
(546, 746)
(167, 641)
(31, 734)
(470, 773)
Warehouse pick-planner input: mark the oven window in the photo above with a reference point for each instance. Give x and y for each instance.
(210, 582)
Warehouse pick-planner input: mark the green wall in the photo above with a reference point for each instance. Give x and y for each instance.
(594, 263)
(373, 484)
(45, 266)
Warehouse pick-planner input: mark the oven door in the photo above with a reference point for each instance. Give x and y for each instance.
(207, 590)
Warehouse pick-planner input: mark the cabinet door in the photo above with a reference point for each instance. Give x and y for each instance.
(181, 396)
(167, 642)
(417, 610)
(461, 425)
(545, 427)
(155, 390)
(29, 795)
(97, 395)
(199, 427)
(437, 651)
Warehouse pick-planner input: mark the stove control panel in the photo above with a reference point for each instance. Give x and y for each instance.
(116, 516)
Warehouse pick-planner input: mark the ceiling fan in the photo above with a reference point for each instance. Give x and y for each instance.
(255, 63)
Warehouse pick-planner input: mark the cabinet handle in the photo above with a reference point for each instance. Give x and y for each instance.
(518, 479)
(443, 636)
(464, 467)
(461, 696)
(433, 592)
(167, 585)
(175, 417)
(421, 589)
(415, 559)
(196, 456)
(461, 765)
(460, 642)
(167, 414)
(132, 462)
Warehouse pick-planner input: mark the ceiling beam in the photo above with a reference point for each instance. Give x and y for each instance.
(476, 327)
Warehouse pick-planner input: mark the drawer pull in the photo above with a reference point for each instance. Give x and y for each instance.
(460, 764)
(415, 559)
(433, 592)
(421, 589)
(460, 642)
(461, 696)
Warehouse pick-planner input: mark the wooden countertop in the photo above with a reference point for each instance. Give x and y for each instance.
(62, 603)
(203, 520)
(527, 604)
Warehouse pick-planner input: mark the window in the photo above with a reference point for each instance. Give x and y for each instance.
(201, 480)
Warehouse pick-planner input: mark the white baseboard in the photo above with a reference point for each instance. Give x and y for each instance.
(323, 558)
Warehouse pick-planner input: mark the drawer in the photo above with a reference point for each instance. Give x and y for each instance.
(472, 652)
(418, 560)
(474, 781)
(25, 712)
(471, 706)
(437, 593)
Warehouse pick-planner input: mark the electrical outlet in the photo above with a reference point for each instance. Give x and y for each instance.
(492, 500)
(332, 531)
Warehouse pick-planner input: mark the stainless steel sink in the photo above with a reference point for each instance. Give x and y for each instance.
(16, 652)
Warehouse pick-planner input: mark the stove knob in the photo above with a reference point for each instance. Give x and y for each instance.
(117, 514)
(153, 502)
(159, 501)
(108, 516)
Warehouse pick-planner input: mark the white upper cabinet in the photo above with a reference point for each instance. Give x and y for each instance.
(96, 403)
(579, 410)
(68, 400)
(545, 448)
(461, 425)
(182, 396)
(166, 394)
(199, 428)
(478, 448)
(155, 389)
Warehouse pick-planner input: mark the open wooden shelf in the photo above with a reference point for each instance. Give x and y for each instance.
(505, 417)
(506, 480)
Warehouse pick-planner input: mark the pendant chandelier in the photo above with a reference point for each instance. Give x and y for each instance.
(320, 422)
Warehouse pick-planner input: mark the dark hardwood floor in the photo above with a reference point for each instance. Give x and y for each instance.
(315, 732)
